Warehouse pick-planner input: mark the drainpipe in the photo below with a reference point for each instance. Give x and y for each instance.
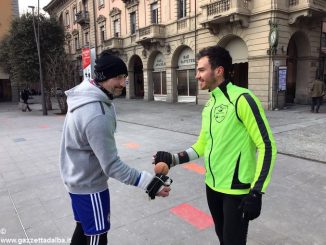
(271, 62)
(95, 28)
(144, 11)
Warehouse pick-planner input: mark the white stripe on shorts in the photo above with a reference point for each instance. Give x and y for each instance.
(94, 212)
(102, 216)
(98, 211)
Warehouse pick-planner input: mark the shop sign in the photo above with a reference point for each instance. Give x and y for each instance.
(186, 58)
(86, 60)
(159, 63)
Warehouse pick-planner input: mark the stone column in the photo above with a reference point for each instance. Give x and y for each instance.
(171, 85)
(130, 87)
(148, 85)
(261, 79)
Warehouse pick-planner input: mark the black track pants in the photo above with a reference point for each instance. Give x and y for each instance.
(230, 227)
(79, 238)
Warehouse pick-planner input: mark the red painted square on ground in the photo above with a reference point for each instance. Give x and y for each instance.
(194, 167)
(192, 215)
(131, 145)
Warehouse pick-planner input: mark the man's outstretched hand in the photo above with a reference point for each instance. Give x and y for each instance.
(159, 186)
(164, 192)
(163, 156)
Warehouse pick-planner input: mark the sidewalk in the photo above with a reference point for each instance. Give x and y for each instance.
(298, 132)
(34, 203)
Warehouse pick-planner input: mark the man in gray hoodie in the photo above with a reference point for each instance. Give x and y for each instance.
(88, 154)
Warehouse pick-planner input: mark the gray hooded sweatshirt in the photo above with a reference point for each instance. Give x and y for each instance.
(88, 154)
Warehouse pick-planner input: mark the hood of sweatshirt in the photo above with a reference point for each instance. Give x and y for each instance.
(83, 94)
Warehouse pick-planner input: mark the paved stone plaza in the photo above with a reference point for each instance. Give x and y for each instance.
(35, 205)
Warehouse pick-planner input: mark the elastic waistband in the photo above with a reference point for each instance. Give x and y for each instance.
(229, 191)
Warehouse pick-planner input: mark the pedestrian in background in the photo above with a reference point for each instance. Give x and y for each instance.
(25, 96)
(234, 127)
(89, 156)
(317, 92)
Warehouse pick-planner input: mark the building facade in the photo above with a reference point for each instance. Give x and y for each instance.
(8, 10)
(275, 44)
(322, 64)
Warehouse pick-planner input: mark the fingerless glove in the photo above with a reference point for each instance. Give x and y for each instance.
(152, 184)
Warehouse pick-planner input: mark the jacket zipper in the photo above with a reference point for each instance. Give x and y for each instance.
(210, 133)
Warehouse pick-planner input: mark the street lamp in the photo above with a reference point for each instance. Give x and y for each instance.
(37, 40)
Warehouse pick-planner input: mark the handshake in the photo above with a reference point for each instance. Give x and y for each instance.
(159, 185)
(250, 205)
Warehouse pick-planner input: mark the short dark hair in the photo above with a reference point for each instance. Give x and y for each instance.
(217, 56)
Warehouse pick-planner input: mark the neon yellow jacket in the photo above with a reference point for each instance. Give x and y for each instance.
(234, 127)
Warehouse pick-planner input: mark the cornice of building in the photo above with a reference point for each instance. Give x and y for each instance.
(130, 3)
(53, 5)
(100, 18)
(114, 11)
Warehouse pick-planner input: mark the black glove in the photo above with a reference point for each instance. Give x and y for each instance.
(251, 205)
(158, 181)
(163, 156)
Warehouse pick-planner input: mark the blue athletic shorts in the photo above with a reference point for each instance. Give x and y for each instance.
(92, 211)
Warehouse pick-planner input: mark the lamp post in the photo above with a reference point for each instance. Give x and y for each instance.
(37, 40)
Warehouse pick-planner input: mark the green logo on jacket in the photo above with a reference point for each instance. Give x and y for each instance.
(220, 113)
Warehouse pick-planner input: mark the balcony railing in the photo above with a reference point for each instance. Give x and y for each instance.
(293, 2)
(308, 8)
(304, 4)
(114, 43)
(218, 7)
(222, 11)
(82, 17)
(154, 31)
(227, 7)
(130, 3)
(182, 24)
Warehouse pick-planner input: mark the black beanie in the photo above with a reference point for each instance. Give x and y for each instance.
(108, 66)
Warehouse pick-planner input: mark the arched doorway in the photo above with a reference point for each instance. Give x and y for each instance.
(5, 88)
(299, 66)
(239, 53)
(138, 78)
(291, 63)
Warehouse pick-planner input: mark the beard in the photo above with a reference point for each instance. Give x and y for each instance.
(207, 84)
(117, 91)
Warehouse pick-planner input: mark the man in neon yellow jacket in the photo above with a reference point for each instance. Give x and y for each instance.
(234, 128)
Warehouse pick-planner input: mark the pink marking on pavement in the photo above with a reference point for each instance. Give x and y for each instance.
(131, 145)
(194, 167)
(192, 215)
(43, 126)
